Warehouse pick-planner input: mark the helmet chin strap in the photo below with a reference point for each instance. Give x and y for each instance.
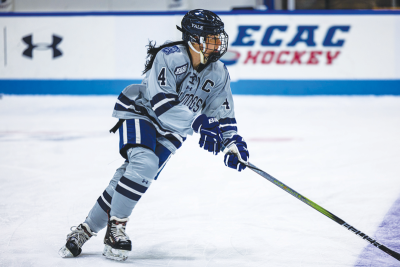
(199, 52)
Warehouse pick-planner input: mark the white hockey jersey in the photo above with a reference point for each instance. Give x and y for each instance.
(173, 94)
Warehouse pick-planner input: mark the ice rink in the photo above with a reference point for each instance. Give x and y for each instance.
(57, 157)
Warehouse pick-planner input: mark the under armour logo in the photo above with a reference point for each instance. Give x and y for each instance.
(145, 181)
(42, 46)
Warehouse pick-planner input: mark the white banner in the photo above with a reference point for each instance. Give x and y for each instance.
(276, 47)
(314, 47)
(80, 47)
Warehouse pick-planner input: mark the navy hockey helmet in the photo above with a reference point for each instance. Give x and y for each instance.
(198, 24)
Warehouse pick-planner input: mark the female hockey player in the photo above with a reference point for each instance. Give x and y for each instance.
(185, 90)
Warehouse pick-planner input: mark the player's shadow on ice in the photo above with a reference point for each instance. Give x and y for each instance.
(141, 256)
(158, 256)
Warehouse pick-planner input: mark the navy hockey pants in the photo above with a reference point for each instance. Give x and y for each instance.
(145, 158)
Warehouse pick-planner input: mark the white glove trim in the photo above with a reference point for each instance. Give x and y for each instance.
(232, 148)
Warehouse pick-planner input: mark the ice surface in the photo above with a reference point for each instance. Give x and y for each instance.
(56, 158)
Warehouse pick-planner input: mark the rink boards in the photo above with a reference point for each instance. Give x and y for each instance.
(276, 53)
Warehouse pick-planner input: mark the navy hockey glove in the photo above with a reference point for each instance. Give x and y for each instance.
(210, 133)
(237, 154)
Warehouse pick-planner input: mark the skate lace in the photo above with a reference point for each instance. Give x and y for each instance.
(118, 231)
(79, 235)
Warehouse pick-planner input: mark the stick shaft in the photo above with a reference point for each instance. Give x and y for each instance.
(323, 211)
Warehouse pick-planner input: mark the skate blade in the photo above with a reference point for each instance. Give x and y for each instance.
(65, 253)
(115, 254)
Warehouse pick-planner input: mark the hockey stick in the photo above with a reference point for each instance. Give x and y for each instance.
(315, 206)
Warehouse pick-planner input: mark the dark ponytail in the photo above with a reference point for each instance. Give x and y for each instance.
(152, 51)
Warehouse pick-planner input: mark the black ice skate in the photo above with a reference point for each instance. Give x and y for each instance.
(75, 240)
(116, 242)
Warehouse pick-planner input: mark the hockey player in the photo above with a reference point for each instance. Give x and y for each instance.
(185, 90)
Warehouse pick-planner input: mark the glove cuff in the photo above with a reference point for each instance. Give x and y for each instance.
(235, 139)
(197, 122)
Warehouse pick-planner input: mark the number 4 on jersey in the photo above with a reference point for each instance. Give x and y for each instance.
(162, 77)
(226, 104)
